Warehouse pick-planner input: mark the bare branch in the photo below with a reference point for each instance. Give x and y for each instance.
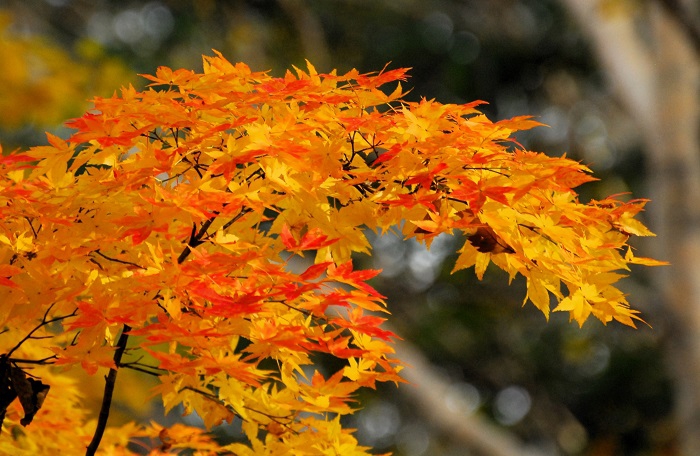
(110, 381)
(117, 260)
(428, 391)
(44, 322)
(685, 19)
(46, 360)
(195, 239)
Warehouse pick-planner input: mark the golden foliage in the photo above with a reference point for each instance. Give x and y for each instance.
(175, 212)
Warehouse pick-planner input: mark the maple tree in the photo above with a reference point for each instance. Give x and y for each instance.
(201, 231)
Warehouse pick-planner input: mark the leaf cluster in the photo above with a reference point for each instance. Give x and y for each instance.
(212, 219)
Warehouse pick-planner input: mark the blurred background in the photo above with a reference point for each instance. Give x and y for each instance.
(616, 80)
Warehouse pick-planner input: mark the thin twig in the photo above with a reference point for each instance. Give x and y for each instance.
(117, 260)
(281, 419)
(43, 323)
(143, 368)
(42, 361)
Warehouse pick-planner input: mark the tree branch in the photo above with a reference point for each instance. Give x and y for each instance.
(685, 20)
(427, 389)
(669, 128)
(44, 321)
(110, 381)
(117, 260)
(195, 239)
(626, 59)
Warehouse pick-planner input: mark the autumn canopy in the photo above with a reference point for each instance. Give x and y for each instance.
(202, 231)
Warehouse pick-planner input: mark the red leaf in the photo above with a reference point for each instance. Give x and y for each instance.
(138, 235)
(4, 281)
(314, 271)
(287, 238)
(315, 239)
(388, 155)
(15, 158)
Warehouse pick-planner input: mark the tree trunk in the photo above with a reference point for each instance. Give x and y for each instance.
(657, 76)
(427, 389)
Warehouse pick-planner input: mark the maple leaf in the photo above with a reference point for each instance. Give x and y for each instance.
(311, 240)
(174, 218)
(89, 357)
(106, 131)
(364, 324)
(485, 240)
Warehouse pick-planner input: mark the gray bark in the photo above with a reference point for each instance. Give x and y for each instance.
(427, 389)
(657, 76)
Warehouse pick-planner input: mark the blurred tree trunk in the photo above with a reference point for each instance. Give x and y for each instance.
(427, 389)
(650, 57)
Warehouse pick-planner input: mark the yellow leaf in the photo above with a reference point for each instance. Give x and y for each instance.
(538, 294)
(630, 258)
(466, 258)
(482, 262)
(629, 225)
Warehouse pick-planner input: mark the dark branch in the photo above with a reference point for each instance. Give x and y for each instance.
(240, 215)
(195, 239)
(146, 369)
(34, 231)
(43, 323)
(685, 19)
(110, 381)
(283, 420)
(46, 360)
(117, 260)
